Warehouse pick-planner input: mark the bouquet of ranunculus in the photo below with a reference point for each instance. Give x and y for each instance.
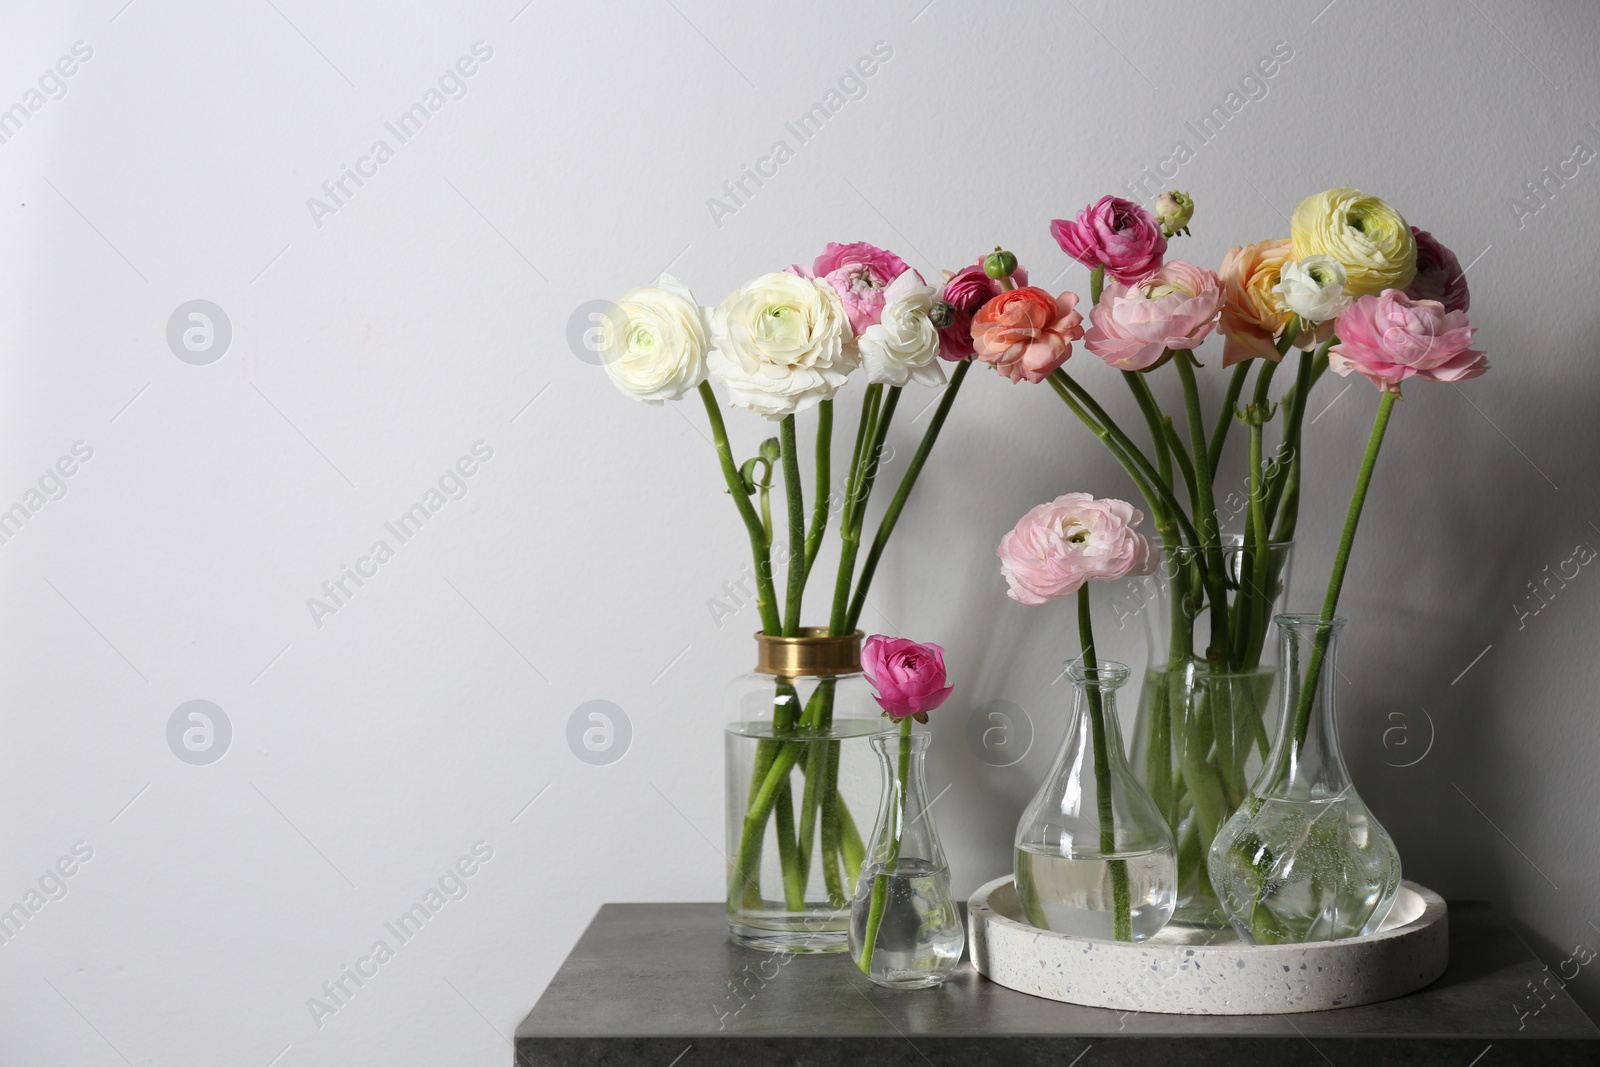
(1352, 288)
(781, 345)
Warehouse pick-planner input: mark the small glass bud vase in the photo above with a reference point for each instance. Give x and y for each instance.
(1303, 859)
(903, 920)
(1094, 855)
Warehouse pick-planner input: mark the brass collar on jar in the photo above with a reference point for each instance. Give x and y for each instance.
(812, 652)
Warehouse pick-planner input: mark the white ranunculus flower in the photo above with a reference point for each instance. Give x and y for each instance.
(781, 343)
(654, 342)
(903, 345)
(1313, 288)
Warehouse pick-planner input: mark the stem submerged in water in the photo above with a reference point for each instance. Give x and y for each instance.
(1121, 915)
(880, 881)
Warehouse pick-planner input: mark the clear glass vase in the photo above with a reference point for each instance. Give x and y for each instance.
(1094, 855)
(1303, 859)
(1206, 715)
(799, 776)
(905, 930)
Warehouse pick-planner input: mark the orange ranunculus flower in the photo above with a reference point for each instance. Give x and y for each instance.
(1027, 333)
(1251, 318)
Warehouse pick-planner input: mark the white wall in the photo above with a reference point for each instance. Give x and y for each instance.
(374, 346)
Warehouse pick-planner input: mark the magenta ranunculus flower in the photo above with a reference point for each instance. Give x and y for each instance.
(1391, 337)
(1057, 547)
(1116, 234)
(1133, 326)
(909, 677)
(1439, 276)
(859, 273)
(966, 291)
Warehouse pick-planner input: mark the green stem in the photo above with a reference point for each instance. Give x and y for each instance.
(797, 526)
(864, 428)
(1205, 512)
(760, 548)
(1097, 284)
(1153, 421)
(1283, 494)
(1179, 453)
(852, 850)
(907, 481)
(796, 493)
(831, 804)
(850, 534)
(1121, 915)
(820, 503)
(1252, 569)
(794, 885)
(880, 881)
(1341, 560)
(1122, 448)
(1219, 434)
(1252, 594)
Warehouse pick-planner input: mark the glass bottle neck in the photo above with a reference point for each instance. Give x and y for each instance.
(1092, 744)
(905, 817)
(1306, 760)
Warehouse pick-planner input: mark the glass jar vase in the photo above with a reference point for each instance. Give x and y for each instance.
(1206, 720)
(800, 778)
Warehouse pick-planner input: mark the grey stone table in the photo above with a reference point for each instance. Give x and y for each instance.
(659, 985)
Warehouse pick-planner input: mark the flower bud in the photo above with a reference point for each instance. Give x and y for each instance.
(770, 450)
(999, 264)
(942, 314)
(1173, 211)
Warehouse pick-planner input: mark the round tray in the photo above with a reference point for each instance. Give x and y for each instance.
(1194, 971)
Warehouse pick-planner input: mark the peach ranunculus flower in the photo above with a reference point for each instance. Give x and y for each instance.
(1389, 338)
(1133, 327)
(1253, 318)
(1027, 333)
(1057, 547)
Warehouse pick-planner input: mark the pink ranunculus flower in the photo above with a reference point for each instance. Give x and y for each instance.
(1116, 234)
(1439, 275)
(1027, 333)
(909, 677)
(859, 273)
(1057, 547)
(1133, 327)
(965, 292)
(1391, 337)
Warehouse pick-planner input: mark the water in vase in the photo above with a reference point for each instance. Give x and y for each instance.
(1075, 895)
(1330, 877)
(921, 935)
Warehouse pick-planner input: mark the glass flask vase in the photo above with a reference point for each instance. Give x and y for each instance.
(905, 930)
(799, 776)
(1094, 856)
(1206, 717)
(1303, 859)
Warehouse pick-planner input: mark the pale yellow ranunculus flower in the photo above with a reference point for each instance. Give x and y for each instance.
(1365, 234)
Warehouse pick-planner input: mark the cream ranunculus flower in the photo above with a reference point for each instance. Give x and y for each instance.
(903, 345)
(654, 342)
(781, 344)
(1363, 233)
(1313, 288)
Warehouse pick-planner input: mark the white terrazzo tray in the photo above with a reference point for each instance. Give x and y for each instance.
(1190, 971)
